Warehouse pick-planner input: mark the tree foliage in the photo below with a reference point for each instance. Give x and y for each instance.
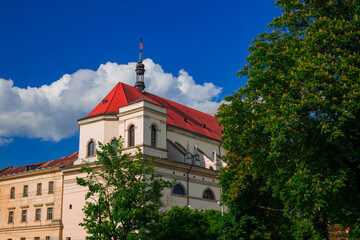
(191, 224)
(181, 223)
(292, 134)
(123, 198)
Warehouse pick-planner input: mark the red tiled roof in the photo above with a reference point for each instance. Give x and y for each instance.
(196, 121)
(49, 164)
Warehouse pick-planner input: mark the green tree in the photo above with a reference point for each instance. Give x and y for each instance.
(191, 224)
(180, 223)
(292, 134)
(123, 194)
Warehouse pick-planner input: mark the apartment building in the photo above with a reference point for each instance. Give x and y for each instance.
(31, 200)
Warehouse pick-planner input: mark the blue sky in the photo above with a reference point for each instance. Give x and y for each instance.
(59, 59)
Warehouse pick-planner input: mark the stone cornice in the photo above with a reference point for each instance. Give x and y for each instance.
(141, 109)
(31, 228)
(96, 118)
(162, 163)
(183, 167)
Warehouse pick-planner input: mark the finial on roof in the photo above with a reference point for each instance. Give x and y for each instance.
(141, 47)
(140, 70)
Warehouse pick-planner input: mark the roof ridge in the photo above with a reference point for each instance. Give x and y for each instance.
(122, 88)
(112, 97)
(178, 104)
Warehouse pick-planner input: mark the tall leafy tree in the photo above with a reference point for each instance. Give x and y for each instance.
(123, 198)
(292, 134)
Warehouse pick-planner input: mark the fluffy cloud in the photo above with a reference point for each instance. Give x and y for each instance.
(50, 112)
(5, 141)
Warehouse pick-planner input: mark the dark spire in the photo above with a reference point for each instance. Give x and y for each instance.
(140, 70)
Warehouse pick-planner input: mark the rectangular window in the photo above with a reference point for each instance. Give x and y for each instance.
(39, 189)
(36, 238)
(23, 215)
(11, 217)
(26, 191)
(22, 238)
(51, 187)
(38, 214)
(12, 192)
(47, 238)
(49, 213)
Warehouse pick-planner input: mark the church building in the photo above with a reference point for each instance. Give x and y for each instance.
(184, 142)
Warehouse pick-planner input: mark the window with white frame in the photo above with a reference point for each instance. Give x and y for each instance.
(153, 136)
(91, 148)
(131, 136)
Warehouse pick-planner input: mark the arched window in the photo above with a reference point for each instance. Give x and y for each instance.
(131, 136)
(153, 136)
(178, 189)
(91, 149)
(208, 194)
(113, 143)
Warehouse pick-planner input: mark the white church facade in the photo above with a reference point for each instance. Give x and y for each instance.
(184, 142)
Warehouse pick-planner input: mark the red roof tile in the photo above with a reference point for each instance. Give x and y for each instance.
(36, 166)
(196, 121)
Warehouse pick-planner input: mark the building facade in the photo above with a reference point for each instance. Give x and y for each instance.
(184, 142)
(31, 200)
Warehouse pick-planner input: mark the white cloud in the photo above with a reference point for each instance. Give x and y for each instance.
(5, 141)
(50, 111)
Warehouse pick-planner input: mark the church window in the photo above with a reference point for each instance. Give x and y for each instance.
(153, 136)
(113, 143)
(131, 136)
(208, 195)
(178, 189)
(91, 148)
